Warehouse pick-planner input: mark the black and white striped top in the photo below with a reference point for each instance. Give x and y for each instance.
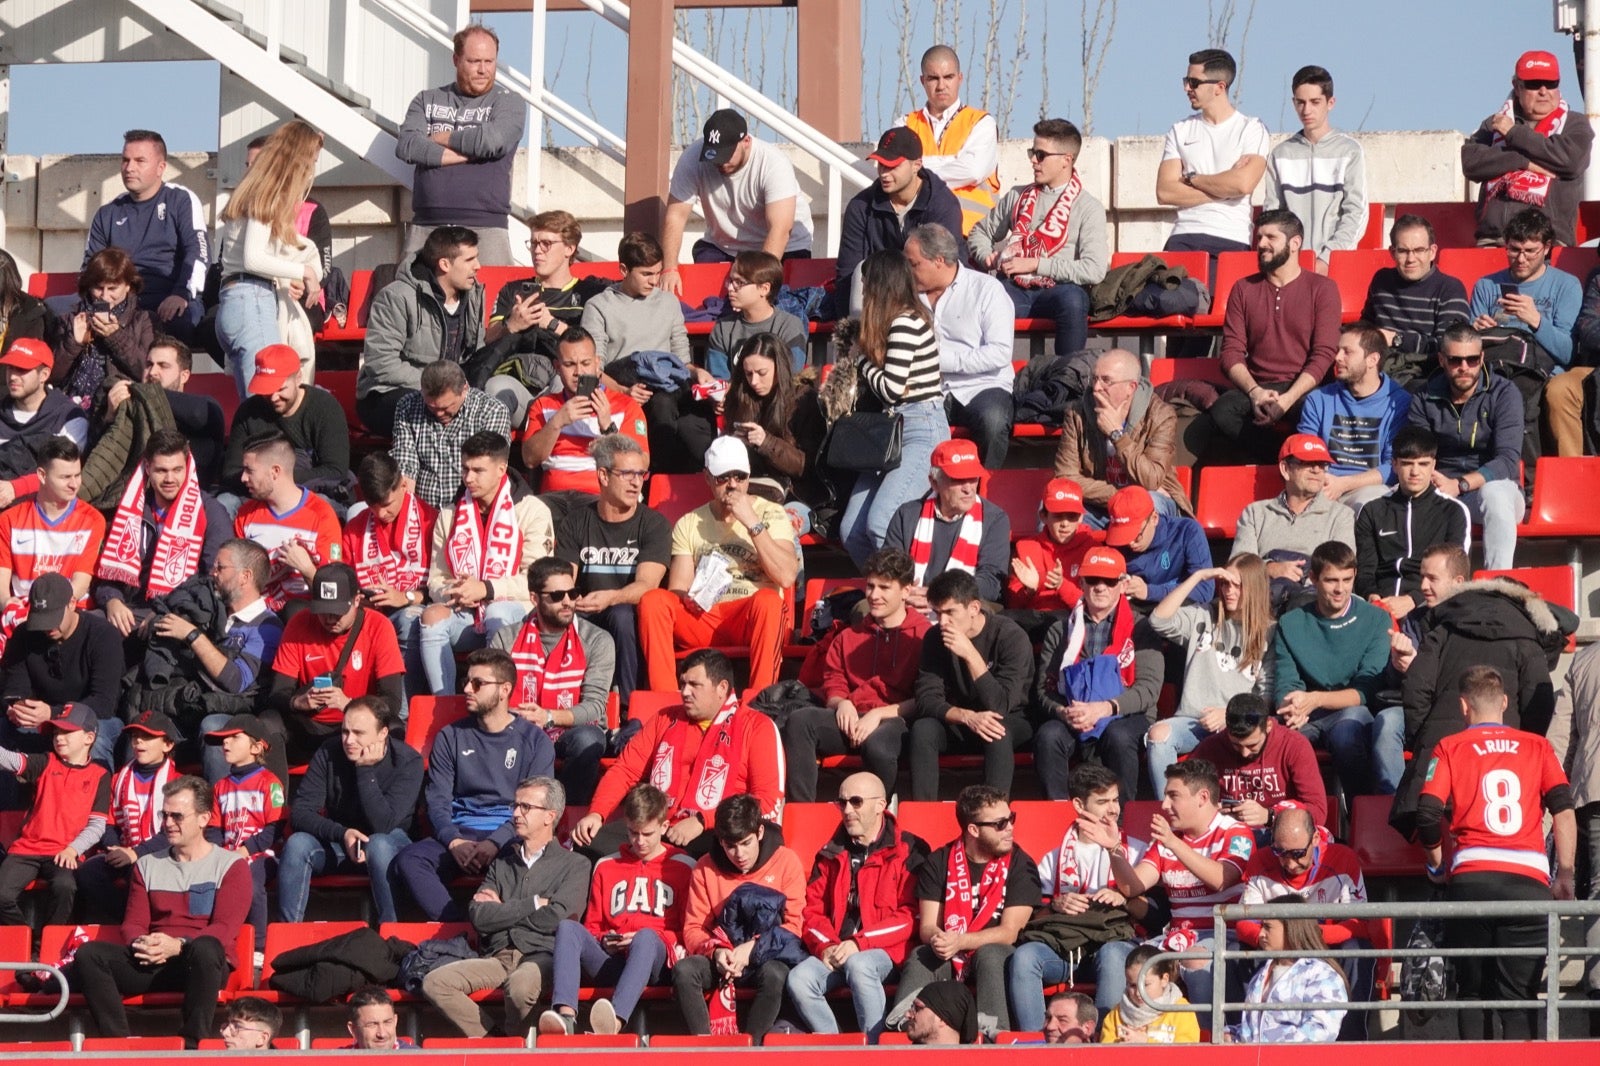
(910, 371)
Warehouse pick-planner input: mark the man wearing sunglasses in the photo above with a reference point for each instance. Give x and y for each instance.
(1046, 241)
(1532, 151)
(564, 670)
(733, 562)
(1477, 416)
(974, 896)
(859, 915)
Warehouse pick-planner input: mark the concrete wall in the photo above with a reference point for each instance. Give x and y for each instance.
(47, 202)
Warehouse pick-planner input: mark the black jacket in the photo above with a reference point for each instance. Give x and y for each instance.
(870, 224)
(1495, 622)
(943, 682)
(1393, 531)
(331, 969)
(336, 795)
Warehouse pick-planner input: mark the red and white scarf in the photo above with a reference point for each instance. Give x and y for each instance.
(1119, 648)
(179, 539)
(1091, 874)
(131, 802)
(1526, 186)
(965, 910)
(713, 762)
(486, 550)
(551, 683)
(1049, 236)
(963, 553)
(405, 566)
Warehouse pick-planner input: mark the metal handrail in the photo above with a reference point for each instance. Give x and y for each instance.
(62, 993)
(1552, 952)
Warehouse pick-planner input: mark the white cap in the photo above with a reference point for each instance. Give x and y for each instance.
(727, 455)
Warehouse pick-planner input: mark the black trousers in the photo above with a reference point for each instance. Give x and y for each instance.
(931, 738)
(15, 873)
(1497, 976)
(376, 410)
(813, 731)
(985, 972)
(107, 972)
(1226, 432)
(693, 979)
(104, 889)
(1119, 748)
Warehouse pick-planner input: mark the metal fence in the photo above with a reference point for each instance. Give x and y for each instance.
(1220, 955)
(38, 1016)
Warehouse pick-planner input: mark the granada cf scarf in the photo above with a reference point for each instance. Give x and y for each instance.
(963, 554)
(965, 910)
(485, 550)
(1099, 677)
(178, 541)
(554, 682)
(1526, 186)
(1049, 237)
(133, 807)
(406, 566)
(713, 762)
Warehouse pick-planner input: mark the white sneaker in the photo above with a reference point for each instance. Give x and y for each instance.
(259, 960)
(554, 1023)
(603, 1018)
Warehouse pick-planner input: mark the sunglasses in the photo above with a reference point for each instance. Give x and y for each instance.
(1291, 853)
(1039, 157)
(1195, 83)
(1542, 83)
(1099, 582)
(999, 823)
(1463, 360)
(723, 479)
(473, 684)
(855, 803)
(560, 595)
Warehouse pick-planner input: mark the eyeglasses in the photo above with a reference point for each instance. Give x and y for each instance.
(999, 823)
(1526, 251)
(1195, 83)
(175, 817)
(1541, 83)
(1039, 157)
(235, 1027)
(855, 803)
(633, 475)
(1295, 854)
(738, 283)
(560, 595)
(737, 475)
(527, 808)
(544, 245)
(1409, 253)
(1463, 360)
(473, 684)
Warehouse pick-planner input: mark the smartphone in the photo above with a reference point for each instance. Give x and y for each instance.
(1509, 290)
(322, 681)
(370, 592)
(612, 937)
(100, 307)
(528, 288)
(587, 384)
(1225, 803)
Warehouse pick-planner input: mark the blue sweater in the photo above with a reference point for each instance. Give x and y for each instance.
(1178, 549)
(1558, 296)
(473, 775)
(1359, 433)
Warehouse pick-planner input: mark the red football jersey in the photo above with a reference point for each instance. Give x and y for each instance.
(1494, 779)
(1224, 840)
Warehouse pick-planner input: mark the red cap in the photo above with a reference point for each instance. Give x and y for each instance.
(1103, 562)
(1129, 508)
(1063, 496)
(1306, 447)
(1538, 66)
(28, 353)
(274, 364)
(958, 459)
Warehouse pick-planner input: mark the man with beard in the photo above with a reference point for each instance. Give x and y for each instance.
(1278, 338)
(1357, 416)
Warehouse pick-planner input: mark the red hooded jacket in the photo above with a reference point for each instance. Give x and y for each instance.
(886, 890)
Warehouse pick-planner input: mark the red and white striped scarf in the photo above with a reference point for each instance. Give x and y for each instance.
(179, 539)
(1049, 236)
(553, 683)
(1094, 871)
(713, 762)
(964, 910)
(481, 549)
(1526, 186)
(405, 566)
(131, 802)
(963, 553)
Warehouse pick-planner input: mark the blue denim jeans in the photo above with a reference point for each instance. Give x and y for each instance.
(1368, 754)
(1066, 304)
(864, 973)
(440, 641)
(1034, 965)
(578, 955)
(876, 497)
(1183, 735)
(305, 857)
(247, 321)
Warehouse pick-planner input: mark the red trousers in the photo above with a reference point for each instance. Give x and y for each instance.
(667, 625)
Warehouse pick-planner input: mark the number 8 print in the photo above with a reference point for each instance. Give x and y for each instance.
(1502, 797)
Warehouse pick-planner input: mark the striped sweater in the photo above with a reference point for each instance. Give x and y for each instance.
(910, 370)
(1418, 311)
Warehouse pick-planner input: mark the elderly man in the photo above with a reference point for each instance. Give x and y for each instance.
(564, 668)
(529, 887)
(952, 527)
(709, 747)
(748, 192)
(353, 810)
(879, 217)
(431, 423)
(1046, 240)
(1533, 151)
(185, 907)
(961, 144)
(859, 909)
(1261, 764)
(1413, 302)
(733, 564)
(483, 545)
(975, 327)
(310, 419)
(565, 421)
(462, 138)
(1286, 529)
(1121, 434)
(1357, 415)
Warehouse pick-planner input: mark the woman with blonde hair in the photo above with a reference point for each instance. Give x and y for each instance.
(899, 373)
(268, 269)
(1227, 646)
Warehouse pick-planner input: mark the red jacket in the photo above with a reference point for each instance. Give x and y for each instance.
(872, 666)
(627, 894)
(886, 887)
(1044, 553)
(756, 766)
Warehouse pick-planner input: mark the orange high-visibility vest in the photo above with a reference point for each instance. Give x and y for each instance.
(978, 198)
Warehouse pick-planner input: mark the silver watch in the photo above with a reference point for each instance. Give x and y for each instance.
(757, 529)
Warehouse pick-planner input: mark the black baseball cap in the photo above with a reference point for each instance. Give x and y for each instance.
(333, 589)
(155, 724)
(722, 134)
(248, 724)
(896, 146)
(47, 602)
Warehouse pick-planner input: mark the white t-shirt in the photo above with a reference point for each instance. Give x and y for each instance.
(735, 205)
(1203, 148)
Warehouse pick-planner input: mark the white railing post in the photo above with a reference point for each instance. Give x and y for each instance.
(834, 214)
(536, 82)
(350, 50)
(273, 30)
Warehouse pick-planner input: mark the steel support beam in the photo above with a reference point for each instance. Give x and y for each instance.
(650, 36)
(829, 64)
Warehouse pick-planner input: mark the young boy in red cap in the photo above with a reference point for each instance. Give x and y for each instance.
(249, 807)
(1044, 565)
(135, 816)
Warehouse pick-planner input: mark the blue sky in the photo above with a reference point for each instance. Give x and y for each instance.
(1417, 64)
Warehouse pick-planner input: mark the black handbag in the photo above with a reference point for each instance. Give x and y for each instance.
(865, 442)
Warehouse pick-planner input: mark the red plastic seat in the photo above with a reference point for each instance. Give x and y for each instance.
(1382, 851)
(1040, 823)
(1136, 818)
(417, 932)
(1561, 508)
(330, 1043)
(703, 280)
(809, 273)
(646, 704)
(279, 1043)
(1012, 1036)
(892, 1037)
(807, 828)
(37, 1047)
(1163, 371)
(579, 1041)
(1579, 262)
(58, 284)
(1352, 272)
(354, 329)
(1196, 263)
(138, 1045)
(473, 1043)
(675, 495)
(1555, 584)
(697, 1040)
(1455, 224)
(429, 714)
(1018, 493)
(1375, 235)
(815, 1040)
(1225, 491)
(285, 936)
(219, 387)
(16, 945)
(1469, 264)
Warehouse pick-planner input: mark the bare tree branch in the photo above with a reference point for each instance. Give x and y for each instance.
(1097, 35)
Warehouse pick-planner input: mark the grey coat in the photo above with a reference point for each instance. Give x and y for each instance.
(405, 330)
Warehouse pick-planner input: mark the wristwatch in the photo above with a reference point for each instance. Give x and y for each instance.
(194, 635)
(1115, 435)
(757, 529)
(1463, 486)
